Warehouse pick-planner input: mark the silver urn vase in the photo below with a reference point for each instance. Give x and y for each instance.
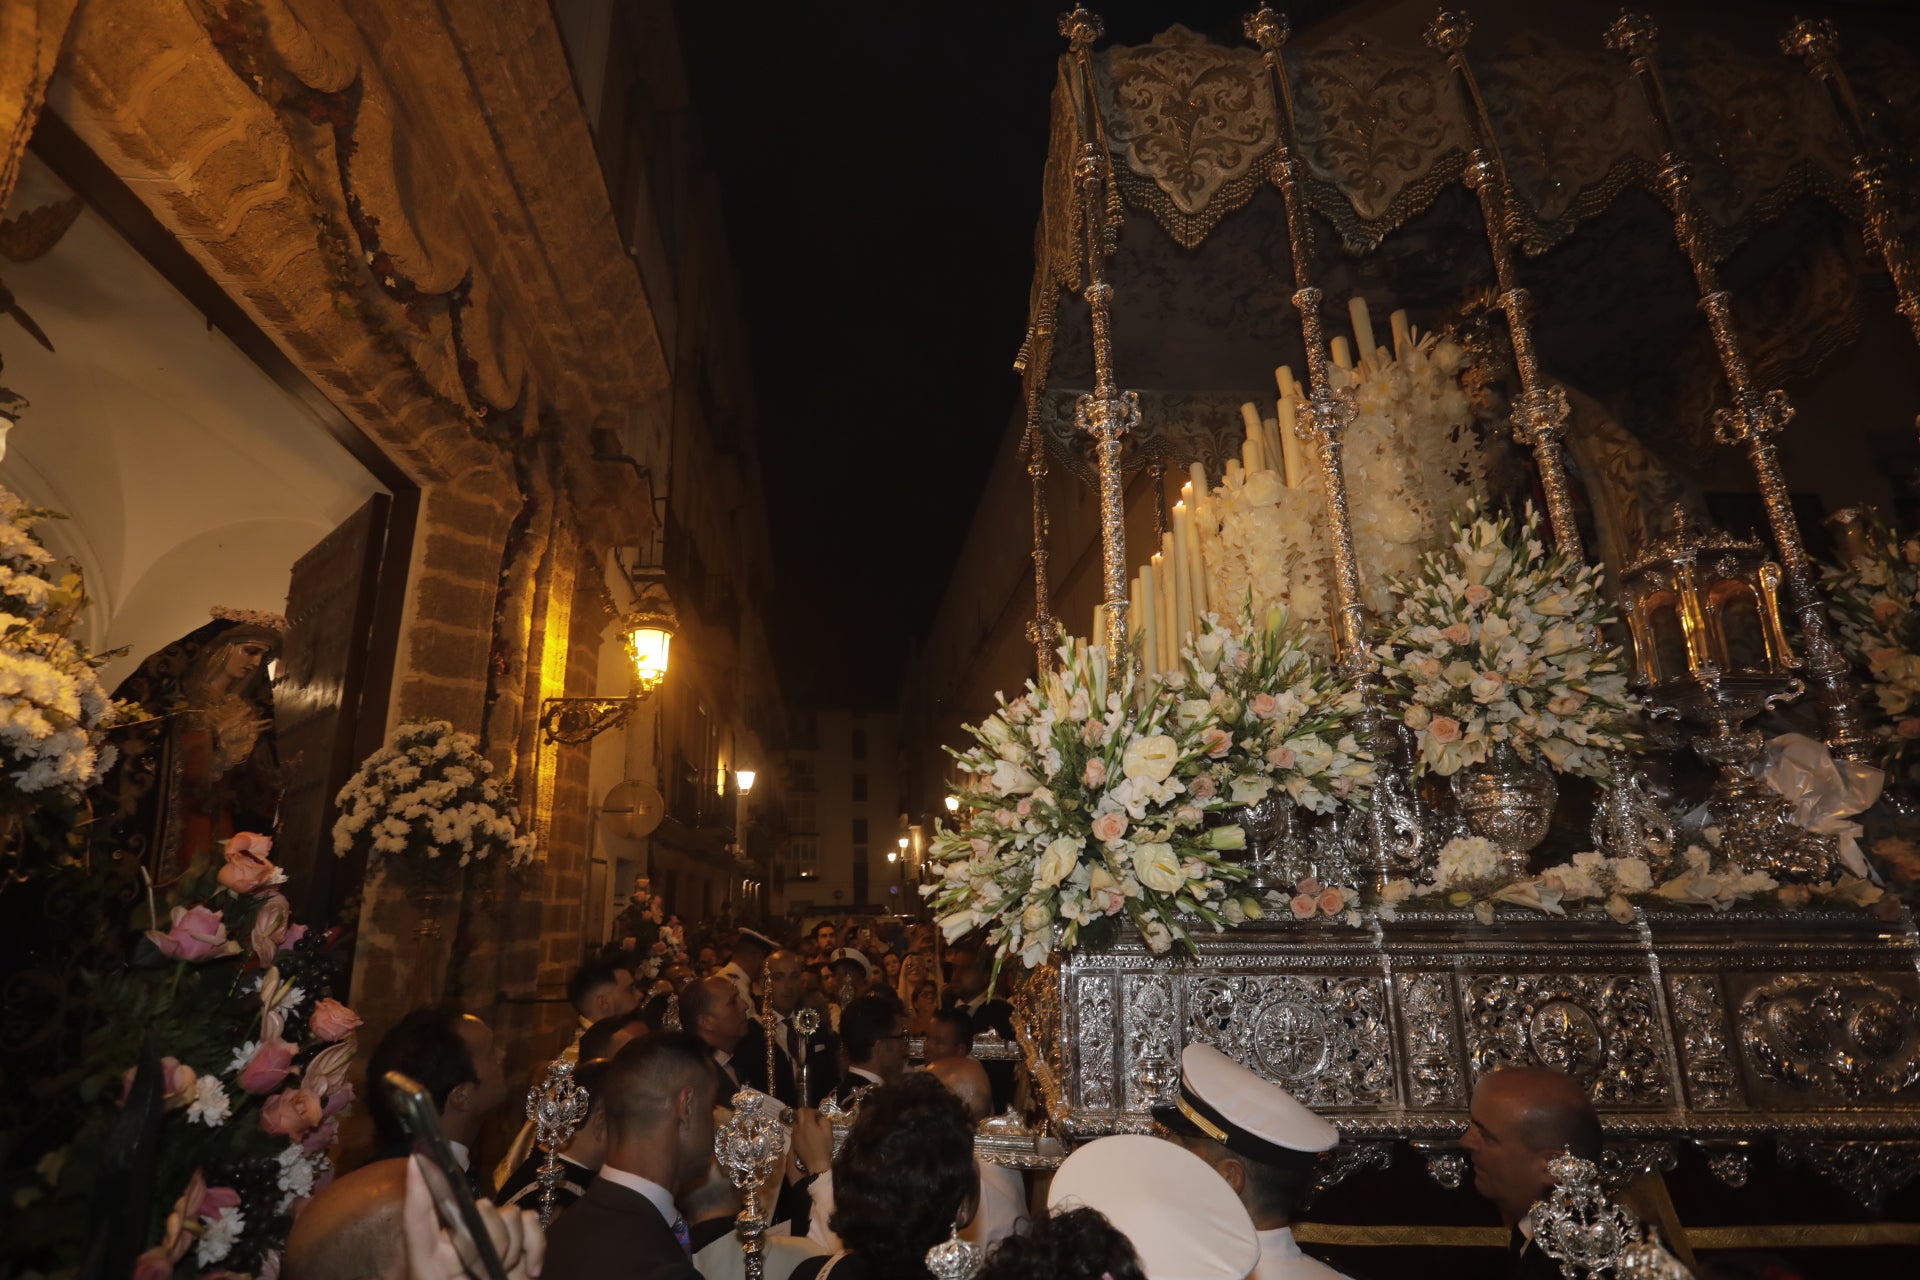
(1509, 801)
(1271, 825)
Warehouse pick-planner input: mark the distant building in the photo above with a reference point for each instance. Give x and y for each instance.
(843, 805)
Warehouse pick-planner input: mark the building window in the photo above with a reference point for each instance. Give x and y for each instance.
(860, 831)
(860, 877)
(859, 744)
(859, 788)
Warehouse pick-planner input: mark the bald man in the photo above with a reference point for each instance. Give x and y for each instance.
(1003, 1192)
(351, 1229)
(1520, 1119)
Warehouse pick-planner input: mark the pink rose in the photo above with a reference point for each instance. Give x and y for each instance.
(1109, 826)
(1107, 901)
(1264, 705)
(177, 1081)
(332, 1020)
(271, 1063)
(1909, 727)
(1310, 887)
(1428, 668)
(291, 1113)
(1478, 594)
(1281, 757)
(247, 869)
(1444, 729)
(1459, 633)
(1218, 742)
(197, 933)
(1303, 907)
(328, 1070)
(1204, 787)
(270, 928)
(1024, 808)
(1332, 901)
(1095, 774)
(1189, 814)
(1006, 817)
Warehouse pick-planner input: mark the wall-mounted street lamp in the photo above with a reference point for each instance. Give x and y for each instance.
(743, 778)
(953, 804)
(647, 633)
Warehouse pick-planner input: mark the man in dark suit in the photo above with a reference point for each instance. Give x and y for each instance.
(786, 986)
(712, 1010)
(971, 991)
(1520, 1119)
(660, 1093)
(452, 1055)
(873, 1031)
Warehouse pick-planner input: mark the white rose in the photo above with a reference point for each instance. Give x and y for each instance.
(1058, 862)
(1034, 918)
(1158, 867)
(1151, 758)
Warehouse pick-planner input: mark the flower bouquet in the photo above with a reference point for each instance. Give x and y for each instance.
(223, 1022)
(431, 795)
(1087, 801)
(1495, 646)
(53, 710)
(1876, 601)
(1278, 717)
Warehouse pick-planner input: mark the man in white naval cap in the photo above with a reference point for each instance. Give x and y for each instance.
(1183, 1222)
(1259, 1138)
(749, 960)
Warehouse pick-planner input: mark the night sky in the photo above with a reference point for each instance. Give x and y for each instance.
(880, 165)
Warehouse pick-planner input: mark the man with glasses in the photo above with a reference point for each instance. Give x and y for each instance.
(874, 1032)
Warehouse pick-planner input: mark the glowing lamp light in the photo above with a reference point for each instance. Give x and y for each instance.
(648, 644)
(891, 855)
(903, 842)
(953, 804)
(744, 779)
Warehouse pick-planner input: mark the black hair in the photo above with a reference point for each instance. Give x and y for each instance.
(745, 939)
(904, 1175)
(425, 1044)
(643, 1078)
(591, 1075)
(597, 1040)
(864, 1023)
(590, 977)
(957, 1018)
(1077, 1244)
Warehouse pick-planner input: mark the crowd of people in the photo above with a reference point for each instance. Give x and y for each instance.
(671, 1030)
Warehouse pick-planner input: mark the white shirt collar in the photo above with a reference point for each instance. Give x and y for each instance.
(862, 1071)
(1278, 1243)
(657, 1195)
(722, 1056)
(461, 1156)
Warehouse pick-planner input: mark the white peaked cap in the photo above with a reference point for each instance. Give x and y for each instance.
(1250, 1114)
(1181, 1217)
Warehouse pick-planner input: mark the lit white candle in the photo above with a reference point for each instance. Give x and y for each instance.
(1402, 334)
(1197, 587)
(1362, 328)
(1149, 621)
(1338, 349)
(1184, 611)
(1293, 453)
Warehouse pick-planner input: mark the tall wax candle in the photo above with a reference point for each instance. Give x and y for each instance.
(1338, 350)
(1149, 620)
(1197, 584)
(1402, 334)
(1183, 586)
(1362, 328)
(1169, 597)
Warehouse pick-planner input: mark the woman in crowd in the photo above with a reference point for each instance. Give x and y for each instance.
(926, 1003)
(903, 1183)
(1079, 1244)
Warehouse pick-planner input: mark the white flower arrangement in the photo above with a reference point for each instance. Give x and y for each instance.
(1279, 717)
(1496, 643)
(1080, 809)
(53, 709)
(1266, 544)
(1467, 874)
(430, 794)
(1876, 602)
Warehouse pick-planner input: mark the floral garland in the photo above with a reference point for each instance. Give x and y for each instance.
(1876, 601)
(1082, 808)
(1465, 874)
(430, 794)
(231, 1002)
(1495, 644)
(1280, 717)
(53, 710)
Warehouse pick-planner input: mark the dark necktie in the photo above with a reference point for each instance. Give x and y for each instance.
(683, 1237)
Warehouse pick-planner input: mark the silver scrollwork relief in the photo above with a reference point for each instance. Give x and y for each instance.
(1867, 1171)
(1624, 1163)
(1349, 1158)
(1433, 1052)
(1093, 1019)
(1325, 1039)
(1706, 1059)
(1842, 1035)
(1600, 1029)
(1147, 1015)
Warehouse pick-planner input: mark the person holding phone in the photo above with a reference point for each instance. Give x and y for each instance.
(660, 1093)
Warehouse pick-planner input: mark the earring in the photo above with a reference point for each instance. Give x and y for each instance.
(953, 1258)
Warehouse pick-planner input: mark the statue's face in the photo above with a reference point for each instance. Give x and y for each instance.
(243, 659)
